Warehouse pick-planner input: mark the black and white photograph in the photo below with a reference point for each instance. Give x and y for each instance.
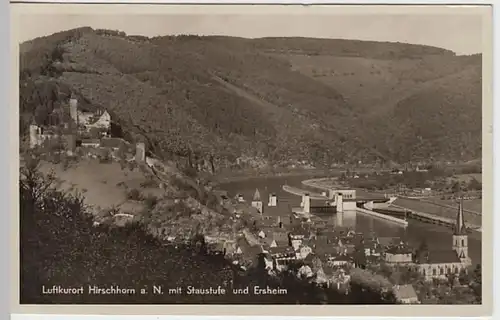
(319, 157)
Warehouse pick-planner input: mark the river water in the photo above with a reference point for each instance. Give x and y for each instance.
(437, 237)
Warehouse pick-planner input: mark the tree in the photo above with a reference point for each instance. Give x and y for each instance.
(474, 184)
(455, 188)
(476, 284)
(422, 249)
(360, 256)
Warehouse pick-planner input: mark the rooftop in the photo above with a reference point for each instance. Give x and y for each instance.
(435, 257)
(281, 251)
(399, 249)
(404, 292)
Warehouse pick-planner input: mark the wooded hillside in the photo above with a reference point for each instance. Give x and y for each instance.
(270, 100)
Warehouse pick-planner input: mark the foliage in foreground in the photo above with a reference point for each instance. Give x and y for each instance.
(61, 246)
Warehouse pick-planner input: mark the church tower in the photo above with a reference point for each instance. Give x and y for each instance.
(257, 201)
(460, 238)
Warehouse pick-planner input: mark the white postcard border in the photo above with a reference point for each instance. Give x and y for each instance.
(385, 311)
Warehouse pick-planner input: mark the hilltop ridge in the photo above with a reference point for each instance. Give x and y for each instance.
(268, 101)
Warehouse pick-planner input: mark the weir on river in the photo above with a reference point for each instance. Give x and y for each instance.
(438, 237)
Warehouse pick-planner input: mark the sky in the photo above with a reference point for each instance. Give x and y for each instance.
(461, 33)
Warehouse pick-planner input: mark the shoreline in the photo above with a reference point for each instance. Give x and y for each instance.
(245, 176)
(299, 192)
(316, 183)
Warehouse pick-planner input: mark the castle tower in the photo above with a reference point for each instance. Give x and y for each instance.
(73, 109)
(34, 138)
(460, 237)
(140, 152)
(257, 202)
(306, 200)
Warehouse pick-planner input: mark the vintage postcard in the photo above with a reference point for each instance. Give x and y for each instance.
(205, 159)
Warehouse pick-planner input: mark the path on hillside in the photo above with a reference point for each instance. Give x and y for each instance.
(268, 106)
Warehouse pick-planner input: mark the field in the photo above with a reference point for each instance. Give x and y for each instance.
(103, 185)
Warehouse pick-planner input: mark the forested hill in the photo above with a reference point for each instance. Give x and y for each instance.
(269, 100)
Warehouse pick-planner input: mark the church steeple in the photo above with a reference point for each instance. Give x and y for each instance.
(460, 238)
(460, 228)
(257, 202)
(256, 195)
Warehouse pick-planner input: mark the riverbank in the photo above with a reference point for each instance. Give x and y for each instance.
(322, 183)
(299, 192)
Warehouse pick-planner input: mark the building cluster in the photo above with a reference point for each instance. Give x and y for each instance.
(82, 129)
(325, 254)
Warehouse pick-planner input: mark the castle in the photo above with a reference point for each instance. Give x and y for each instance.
(79, 123)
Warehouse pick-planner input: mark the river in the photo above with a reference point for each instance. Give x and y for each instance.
(437, 237)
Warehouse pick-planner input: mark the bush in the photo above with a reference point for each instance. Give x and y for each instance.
(134, 194)
(150, 201)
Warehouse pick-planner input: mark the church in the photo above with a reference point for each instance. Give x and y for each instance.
(441, 264)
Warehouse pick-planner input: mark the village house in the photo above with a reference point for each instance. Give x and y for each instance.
(245, 253)
(281, 238)
(399, 254)
(340, 260)
(387, 242)
(257, 202)
(303, 251)
(373, 249)
(305, 272)
(217, 248)
(337, 278)
(282, 256)
(405, 294)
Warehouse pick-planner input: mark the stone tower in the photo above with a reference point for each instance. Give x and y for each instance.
(71, 143)
(273, 200)
(306, 203)
(460, 237)
(73, 109)
(140, 152)
(257, 201)
(34, 136)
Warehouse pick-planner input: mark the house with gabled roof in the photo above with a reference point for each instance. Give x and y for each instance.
(303, 251)
(281, 238)
(282, 256)
(405, 294)
(257, 202)
(399, 254)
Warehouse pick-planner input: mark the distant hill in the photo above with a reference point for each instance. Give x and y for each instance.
(265, 101)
